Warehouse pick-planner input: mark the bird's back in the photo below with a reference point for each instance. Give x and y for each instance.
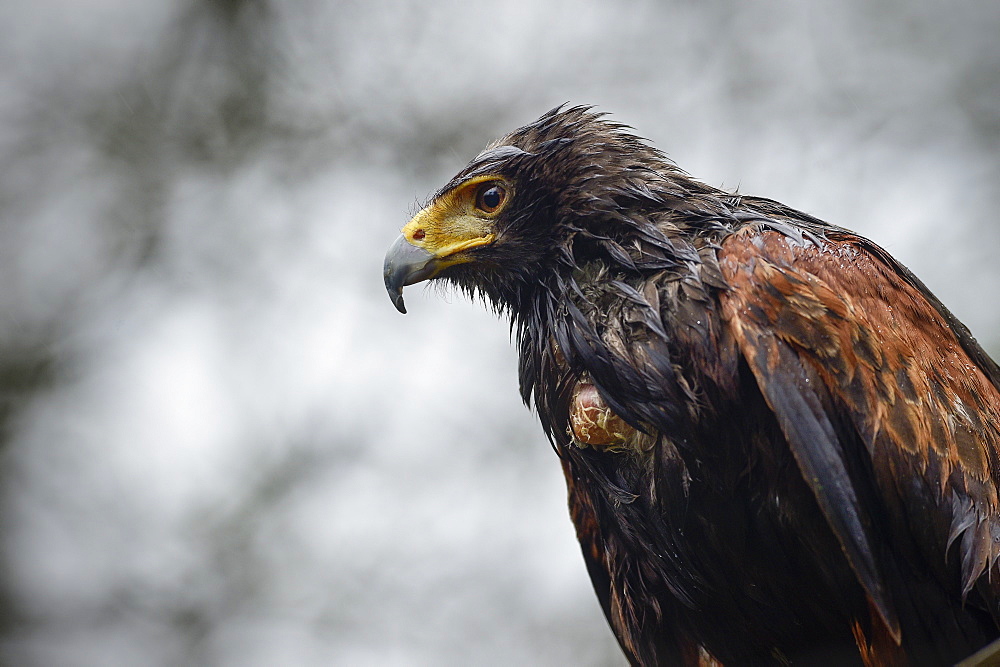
(817, 436)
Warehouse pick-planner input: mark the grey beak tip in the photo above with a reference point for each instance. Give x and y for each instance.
(405, 264)
(393, 285)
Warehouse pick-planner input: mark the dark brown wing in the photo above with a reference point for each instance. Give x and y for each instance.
(886, 401)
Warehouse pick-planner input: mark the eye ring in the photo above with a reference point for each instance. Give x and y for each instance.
(491, 197)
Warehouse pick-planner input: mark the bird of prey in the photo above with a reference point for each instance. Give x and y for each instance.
(779, 446)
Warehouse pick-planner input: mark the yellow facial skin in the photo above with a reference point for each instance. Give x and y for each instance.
(442, 234)
(457, 221)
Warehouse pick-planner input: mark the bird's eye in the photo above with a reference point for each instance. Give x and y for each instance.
(491, 197)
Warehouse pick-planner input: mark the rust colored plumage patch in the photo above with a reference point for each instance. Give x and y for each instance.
(868, 346)
(593, 422)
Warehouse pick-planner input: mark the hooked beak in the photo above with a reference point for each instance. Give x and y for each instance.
(406, 264)
(441, 235)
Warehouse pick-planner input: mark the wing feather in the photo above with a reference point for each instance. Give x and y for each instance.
(789, 389)
(865, 370)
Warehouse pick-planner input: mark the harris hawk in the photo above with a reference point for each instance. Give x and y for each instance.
(779, 446)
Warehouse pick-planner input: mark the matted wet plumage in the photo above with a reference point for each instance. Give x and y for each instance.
(778, 444)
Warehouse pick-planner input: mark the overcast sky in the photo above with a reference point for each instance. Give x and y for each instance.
(221, 443)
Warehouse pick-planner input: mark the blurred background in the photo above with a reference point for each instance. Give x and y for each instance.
(219, 442)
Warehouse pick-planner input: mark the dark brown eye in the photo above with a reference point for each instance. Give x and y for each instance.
(491, 197)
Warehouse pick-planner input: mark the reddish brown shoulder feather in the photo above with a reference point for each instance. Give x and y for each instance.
(847, 350)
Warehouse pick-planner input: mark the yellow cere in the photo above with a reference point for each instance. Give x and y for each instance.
(452, 223)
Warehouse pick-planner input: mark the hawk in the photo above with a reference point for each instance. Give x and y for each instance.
(779, 446)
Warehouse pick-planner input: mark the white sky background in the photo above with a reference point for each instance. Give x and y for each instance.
(221, 443)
